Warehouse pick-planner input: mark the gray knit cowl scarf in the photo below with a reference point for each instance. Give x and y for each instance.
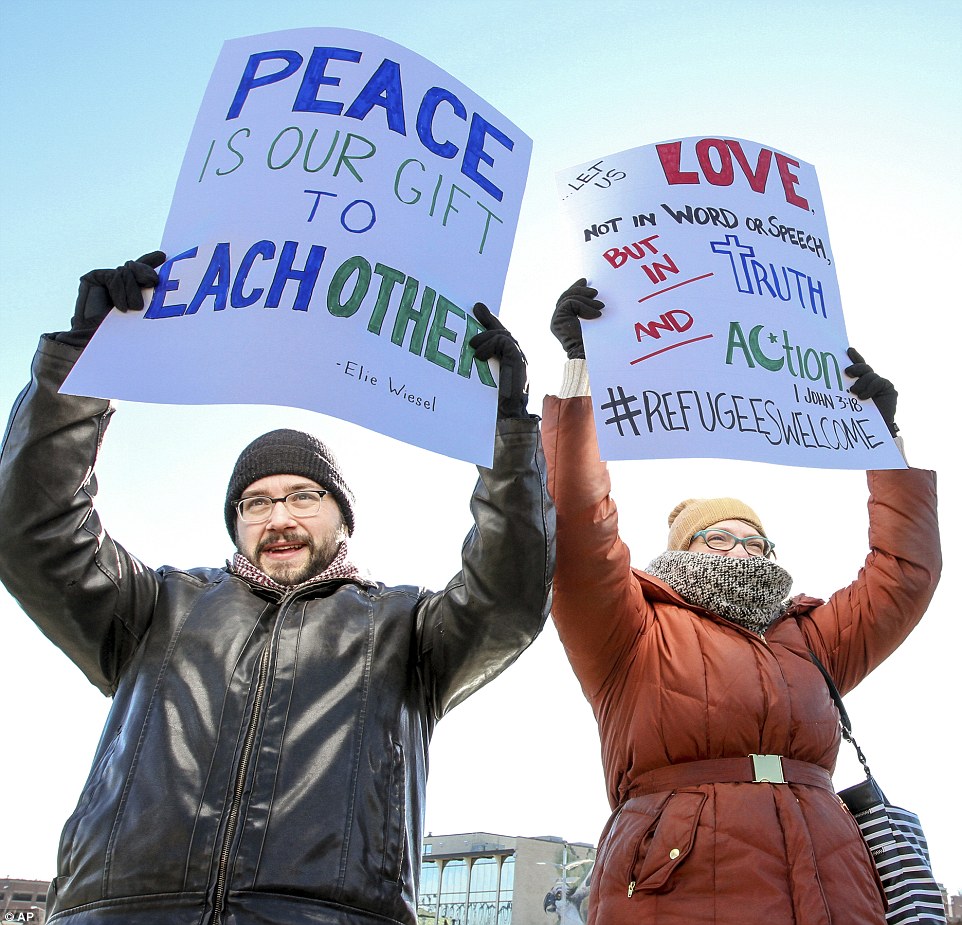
(751, 592)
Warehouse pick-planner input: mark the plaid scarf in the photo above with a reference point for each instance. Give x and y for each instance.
(751, 592)
(340, 567)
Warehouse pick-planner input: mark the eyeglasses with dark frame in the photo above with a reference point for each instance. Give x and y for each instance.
(305, 502)
(724, 541)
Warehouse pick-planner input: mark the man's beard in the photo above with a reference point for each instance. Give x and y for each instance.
(292, 573)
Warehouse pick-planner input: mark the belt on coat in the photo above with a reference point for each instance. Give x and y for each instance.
(759, 769)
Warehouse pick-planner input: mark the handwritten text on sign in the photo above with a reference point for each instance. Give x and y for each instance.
(342, 204)
(723, 333)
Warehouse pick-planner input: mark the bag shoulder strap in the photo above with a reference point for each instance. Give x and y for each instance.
(842, 712)
(833, 690)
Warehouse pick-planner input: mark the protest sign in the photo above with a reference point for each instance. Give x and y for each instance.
(342, 205)
(723, 333)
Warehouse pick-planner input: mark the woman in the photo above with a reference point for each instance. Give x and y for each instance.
(698, 662)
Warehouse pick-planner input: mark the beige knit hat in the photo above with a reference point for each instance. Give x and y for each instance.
(697, 513)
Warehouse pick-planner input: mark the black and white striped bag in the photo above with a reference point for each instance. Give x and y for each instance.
(894, 837)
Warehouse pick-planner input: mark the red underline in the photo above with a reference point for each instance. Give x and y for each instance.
(672, 347)
(685, 283)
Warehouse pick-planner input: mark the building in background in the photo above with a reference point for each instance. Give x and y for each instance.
(953, 907)
(23, 900)
(470, 879)
(478, 878)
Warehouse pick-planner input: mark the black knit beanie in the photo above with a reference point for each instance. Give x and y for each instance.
(283, 452)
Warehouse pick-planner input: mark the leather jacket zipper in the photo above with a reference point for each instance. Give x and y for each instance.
(220, 888)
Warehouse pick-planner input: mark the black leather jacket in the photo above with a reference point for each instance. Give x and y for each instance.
(265, 757)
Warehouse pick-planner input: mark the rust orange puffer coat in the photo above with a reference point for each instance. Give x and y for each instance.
(670, 683)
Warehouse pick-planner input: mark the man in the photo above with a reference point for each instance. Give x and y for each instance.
(265, 756)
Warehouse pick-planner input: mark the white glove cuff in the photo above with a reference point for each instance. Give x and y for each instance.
(575, 382)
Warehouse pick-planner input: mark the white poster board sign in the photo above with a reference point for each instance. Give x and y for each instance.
(342, 205)
(723, 333)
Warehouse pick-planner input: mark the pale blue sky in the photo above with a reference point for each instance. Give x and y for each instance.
(97, 100)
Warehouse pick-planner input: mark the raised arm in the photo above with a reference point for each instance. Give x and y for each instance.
(861, 625)
(498, 603)
(84, 591)
(598, 606)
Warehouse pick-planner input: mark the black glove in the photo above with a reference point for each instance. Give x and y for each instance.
(869, 384)
(496, 341)
(101, 290)
(577, 301)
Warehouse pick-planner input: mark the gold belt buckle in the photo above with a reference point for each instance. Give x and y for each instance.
(768, 769)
